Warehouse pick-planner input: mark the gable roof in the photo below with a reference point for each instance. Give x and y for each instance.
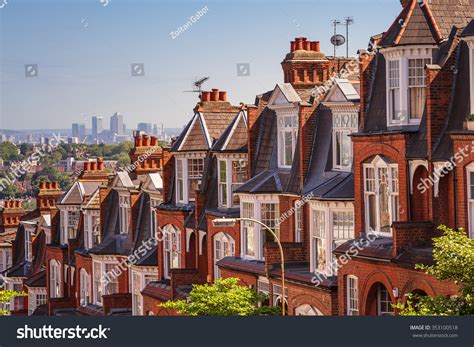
(342, 91)
(283, 93)
(427, 22)
(79, 192)
(234, 138)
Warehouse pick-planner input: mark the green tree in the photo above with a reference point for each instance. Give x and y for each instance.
(454, 261)
(6, 296)
(8, 151)
(9, 192)
(223, 298)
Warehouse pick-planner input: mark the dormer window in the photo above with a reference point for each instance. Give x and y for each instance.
(124, 210)
(343, 126)
(91, 228)
(406, 84)
(232, 173)
(188, 177)
(287, 137)
(28, 248)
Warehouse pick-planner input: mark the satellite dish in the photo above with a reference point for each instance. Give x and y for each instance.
(338, 40)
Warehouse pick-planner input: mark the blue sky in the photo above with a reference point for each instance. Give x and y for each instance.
(84, 51)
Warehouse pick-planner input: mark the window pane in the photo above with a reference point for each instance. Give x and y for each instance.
(288, 148)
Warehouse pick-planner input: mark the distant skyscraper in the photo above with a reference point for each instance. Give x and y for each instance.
(75, 130)
(97, 127)
(82, 132)
(145, 127)
(116, 124)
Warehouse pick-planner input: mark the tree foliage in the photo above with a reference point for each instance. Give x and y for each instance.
(454, 261)
(225, 297)
(6, 296)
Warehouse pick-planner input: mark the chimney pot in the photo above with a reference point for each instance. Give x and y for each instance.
(18, 204)
(48, 185)
(55, 185)
(146, 140)
(292, 46)
(100, 164)
(138, 140)
(222, 96)
(299, 43)
(206, 96)
(215, 95)
(154, 141)
(93, 166)
(308, 45)
(42, 185)
(87, 166)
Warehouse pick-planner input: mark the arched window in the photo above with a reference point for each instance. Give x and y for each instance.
(55, 279)
(384, 301)
(171, 249)
(224, 246)
(85, 287)
(380, 195)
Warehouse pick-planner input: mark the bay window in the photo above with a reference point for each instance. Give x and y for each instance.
(189, 172)
(287, 137)
(224, 246)
(97, 273)
(318, 241)
(253, 234)
(106, 281)
(332, 224)
(72, 223)
(84, 285)
(124, 211)
(140, 279)
(381, 195)
(343, 126)
(171, 249)
(232, 173)
(55, 290)
(406, 84)
(248, 229)
(352, 296)
(417, 87)
(470, 198)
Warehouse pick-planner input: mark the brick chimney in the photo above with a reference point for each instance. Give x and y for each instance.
(305, 66)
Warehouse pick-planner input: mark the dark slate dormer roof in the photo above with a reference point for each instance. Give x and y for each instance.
(113, 243)
(427, 22)
(266, 147)
(143, 234)
(234, 138)
(38, 280)
(469, 30)
(321, 181)
(459, 106)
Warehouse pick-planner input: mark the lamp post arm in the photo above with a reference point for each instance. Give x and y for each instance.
(277, 240)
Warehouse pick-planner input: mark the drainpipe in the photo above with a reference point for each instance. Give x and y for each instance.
(409, 191)
(455, 196)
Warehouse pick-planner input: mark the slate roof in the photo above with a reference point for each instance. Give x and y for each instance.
(235, 137)
(469, 30)
(79, 191)
(239, 264)
(427, 22)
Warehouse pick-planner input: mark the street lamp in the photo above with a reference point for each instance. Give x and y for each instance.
(230, 222)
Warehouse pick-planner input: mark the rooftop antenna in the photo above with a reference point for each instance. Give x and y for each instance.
(335, 23)
(349, 21)
(197, 86)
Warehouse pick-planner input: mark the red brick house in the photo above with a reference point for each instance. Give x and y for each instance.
(415, 97)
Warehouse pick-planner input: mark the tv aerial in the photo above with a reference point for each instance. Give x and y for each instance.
(197, 85)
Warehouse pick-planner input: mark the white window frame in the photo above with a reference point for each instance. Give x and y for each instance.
(28, 244)
(470, 199)
(91, 228)
(352, 286)
(5, 259)
(182, 161)
(85, 292)
(344, 124)
(55, 282)
(143, 278)
(222, 241)
(402, 55)
(258, 231)
(36, 297)
(172, 249)
(100, 286)
(226, 183)
(382, 294)
(287, 123)
(393, 194)
(154, 226)
(328, 211)
(299, 220)
(124, 213)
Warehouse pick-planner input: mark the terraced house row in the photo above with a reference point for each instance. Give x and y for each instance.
(349, 161)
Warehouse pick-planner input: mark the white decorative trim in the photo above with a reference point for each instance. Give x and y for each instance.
(202, 234)
(189, 232)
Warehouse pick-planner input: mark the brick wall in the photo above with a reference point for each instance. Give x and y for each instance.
(185, 277)
(407, 234)
(293, 252)
(119, 300)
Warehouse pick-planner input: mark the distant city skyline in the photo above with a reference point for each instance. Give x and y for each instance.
(62, 62)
